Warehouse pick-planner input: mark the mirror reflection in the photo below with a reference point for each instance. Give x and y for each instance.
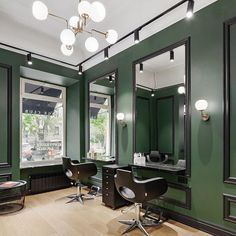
(101, 118)
(160, 108)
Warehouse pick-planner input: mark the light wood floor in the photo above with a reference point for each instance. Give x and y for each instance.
(47, 215)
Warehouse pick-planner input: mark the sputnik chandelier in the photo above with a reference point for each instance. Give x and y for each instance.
(78, 24)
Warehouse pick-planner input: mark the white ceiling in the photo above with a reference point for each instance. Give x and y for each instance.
(19, 28)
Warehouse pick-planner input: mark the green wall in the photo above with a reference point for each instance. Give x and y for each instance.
(48, 72)
(206, 32)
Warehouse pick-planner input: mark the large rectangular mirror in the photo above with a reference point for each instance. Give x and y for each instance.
(102, 125)
(161, 111)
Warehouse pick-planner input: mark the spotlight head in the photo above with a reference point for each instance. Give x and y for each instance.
(190, 7)
(106, 54)
(80, 72)
(136, 36)
(152, 93)
(172, 56)
(29, 59)
(141, 68)
(110, 79)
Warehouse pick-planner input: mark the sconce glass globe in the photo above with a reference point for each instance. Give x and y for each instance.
(98, 12)
(73, 22)
(120, 116)
(91, 44)
(181, 90)
(40, 10)
(67, 50)
(201, 105)
(67, 37)
(84, 8)
(111, 36)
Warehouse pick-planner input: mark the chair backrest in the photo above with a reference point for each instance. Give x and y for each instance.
(139, 191)
(78, 171)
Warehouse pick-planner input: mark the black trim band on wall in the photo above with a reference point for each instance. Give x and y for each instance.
(227, 176)
(8, 163)
(5, 177)
(227, 200)
(173, 122)
(188, 196)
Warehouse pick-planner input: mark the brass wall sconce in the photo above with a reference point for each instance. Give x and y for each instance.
(201, 105)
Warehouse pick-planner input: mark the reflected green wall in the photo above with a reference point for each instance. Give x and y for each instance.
(206, 32)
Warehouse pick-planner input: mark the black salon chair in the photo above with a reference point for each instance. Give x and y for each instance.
(76, 172)
(138, 192)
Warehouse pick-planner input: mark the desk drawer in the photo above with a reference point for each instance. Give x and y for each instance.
(107, 170)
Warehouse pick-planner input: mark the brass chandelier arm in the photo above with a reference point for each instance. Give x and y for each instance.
(59, 17)
(99, 32)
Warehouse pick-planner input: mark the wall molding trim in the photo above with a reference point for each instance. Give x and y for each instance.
(8, 162)
(227, 200)
(192, 222)
(6, 176)
(227, 176)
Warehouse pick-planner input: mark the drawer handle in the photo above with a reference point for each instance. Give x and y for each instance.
(106, 170)
(106, 188)
(107, 177)
(107, 194)
(106, 182)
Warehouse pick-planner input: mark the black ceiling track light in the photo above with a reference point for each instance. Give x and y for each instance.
(152, 93)
(80, 72)
(110, 79)
(106, 54)
(136, 36)
(172, 56)
(136, 31)
(190, 8)
(29, 59)
(141, 67)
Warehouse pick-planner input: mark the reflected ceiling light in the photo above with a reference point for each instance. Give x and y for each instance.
(106, 54)
(78, 24)
(181, 90)
(136, 36)
(67, 50)
(141, 67)
(29, 59)
(152, 93)
(201, 105)
(172, 56)
(80, 72)
(190, 7)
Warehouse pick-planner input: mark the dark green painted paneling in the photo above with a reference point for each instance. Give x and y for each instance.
(3, 115)
(233, 209)
(177, 194)
(143, 125)
(206, 32)
(165, 125)
(232, 100)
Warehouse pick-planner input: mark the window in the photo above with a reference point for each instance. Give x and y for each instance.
(100, 124)
(42, 108)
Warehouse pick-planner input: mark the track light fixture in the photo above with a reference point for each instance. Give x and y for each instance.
(80, 70)
(152, 93)
(29, 59)
(189, 13)
(136, 36)
(172, 56)
(106, 54)
(141, 68)
(110, 79)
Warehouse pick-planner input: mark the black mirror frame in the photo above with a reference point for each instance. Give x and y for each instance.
(187, 130)
(87, 131)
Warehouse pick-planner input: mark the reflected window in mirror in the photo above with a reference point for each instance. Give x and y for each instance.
(101, 144)
(160, 106)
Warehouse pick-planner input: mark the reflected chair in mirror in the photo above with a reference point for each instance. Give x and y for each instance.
(157, 157)
(77, 172)
(138, 192)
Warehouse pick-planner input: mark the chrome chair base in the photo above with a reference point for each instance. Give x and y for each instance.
(79, 198)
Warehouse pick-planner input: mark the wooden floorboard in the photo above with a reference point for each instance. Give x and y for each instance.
(47, 215)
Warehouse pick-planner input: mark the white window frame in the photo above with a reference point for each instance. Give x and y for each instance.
(62, 100)
(95, 105)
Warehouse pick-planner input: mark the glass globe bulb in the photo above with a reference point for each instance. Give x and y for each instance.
(181, 90)
(67, 50)
(67, 37)
(91, 44)
(40, 10)
(84, 8)
(73, 22)
(111, 36)
(98, 12)
(201, 105)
